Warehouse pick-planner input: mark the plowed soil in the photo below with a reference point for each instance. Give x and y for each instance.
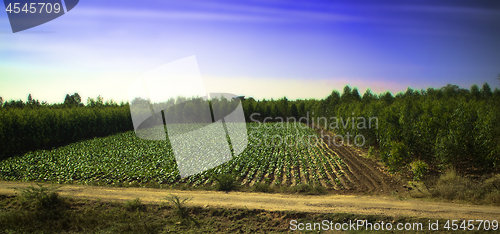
(363, 175)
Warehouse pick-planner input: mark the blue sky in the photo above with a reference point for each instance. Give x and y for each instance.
(265, 49)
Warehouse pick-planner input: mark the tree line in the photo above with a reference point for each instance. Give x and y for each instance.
(32, 125)
(440, 126)
(444, 126)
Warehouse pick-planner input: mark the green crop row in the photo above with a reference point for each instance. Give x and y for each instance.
(125, 158)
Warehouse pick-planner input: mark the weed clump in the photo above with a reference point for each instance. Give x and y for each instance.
(180, 209)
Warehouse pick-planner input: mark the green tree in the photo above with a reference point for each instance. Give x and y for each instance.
(32, 102)
(368, 96)
(450, 90)
(302, 108)
(486, 91)
(496, 93)
(68, 100)
(248, 108)
(355, 94)
(282, 107)
(294, 112)
(346, 94)
(73, 100)
(474, 91)
(91, 101)
(99, 101)
(387, 97)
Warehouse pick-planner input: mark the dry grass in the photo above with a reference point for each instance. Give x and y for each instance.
(453, 187)
(81, 216)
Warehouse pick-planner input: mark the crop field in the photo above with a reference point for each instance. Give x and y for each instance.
(277, 156)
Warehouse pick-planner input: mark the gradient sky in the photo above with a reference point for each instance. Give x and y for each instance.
(264, 49)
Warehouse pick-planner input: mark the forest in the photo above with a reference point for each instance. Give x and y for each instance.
(447, 126)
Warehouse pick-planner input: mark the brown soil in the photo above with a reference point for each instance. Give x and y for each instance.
(361, 175)
(344, 171)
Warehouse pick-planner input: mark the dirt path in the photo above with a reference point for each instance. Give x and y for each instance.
(373, 205)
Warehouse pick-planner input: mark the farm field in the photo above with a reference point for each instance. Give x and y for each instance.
(124, 159)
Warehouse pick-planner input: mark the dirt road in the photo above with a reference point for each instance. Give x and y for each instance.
(356, 204)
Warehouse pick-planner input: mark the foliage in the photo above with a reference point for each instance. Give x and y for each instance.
(27, 129)
(41, 198)
(225, 182)
(371, 151)
(72, 100)
(419, 168)
(451, 186)
(449, 125)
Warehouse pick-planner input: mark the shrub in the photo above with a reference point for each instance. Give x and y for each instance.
(226, 182)
(41, 198)
(179, 205)
(419, 168)
(451, 186)
(397, 156)
(371, 151)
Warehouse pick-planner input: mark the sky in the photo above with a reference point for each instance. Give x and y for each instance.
(264, 49)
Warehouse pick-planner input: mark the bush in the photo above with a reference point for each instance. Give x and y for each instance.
(371, 151)
(451, 186)
(41, 198)
(226, 182)
(419, 168)
(396, 156)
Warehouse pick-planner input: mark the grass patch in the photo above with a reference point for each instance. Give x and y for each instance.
(305, 189)
(81, 216)
(134, 205)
